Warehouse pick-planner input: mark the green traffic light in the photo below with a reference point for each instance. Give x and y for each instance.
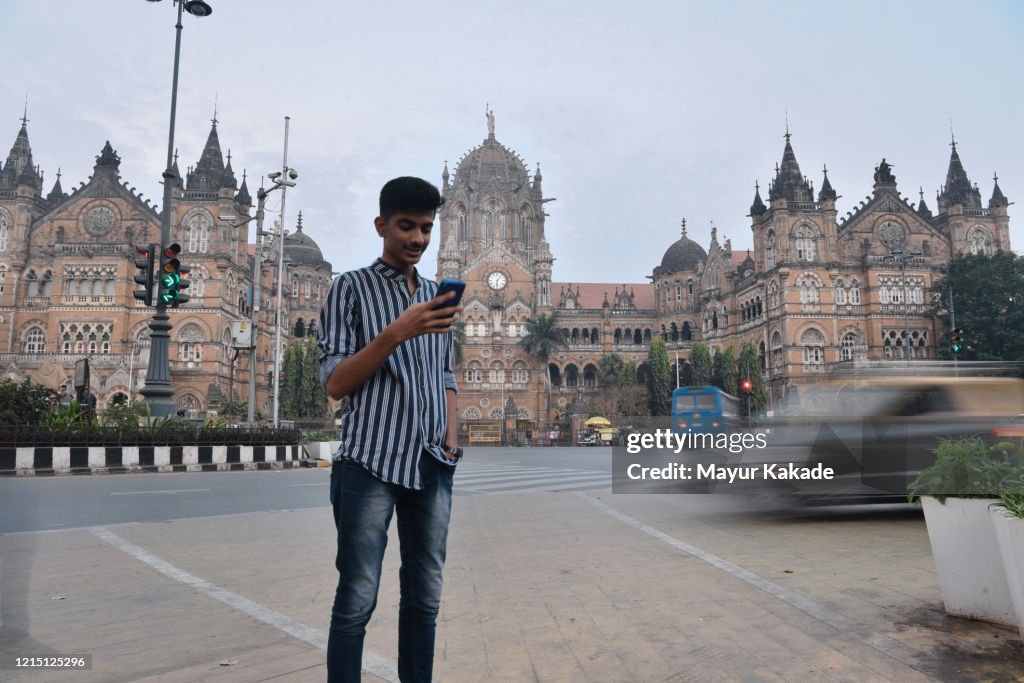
(170, 281)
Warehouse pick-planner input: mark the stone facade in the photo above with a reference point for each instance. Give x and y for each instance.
(816, 291)
(66, 280)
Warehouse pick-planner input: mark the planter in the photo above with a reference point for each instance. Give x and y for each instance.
(967, 559)
(322, 450)
(1009, 530)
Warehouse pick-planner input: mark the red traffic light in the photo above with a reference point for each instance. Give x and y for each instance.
(142, 250)
(746, 385)
(172, 251)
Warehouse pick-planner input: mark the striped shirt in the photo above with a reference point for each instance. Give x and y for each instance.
(401, 411)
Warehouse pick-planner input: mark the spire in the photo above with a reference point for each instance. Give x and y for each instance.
(536, 179)
(683, 236)
(57, 192)
(19, 168)
(298, 227)
(789, 182)
(922, 209)
(958, 188)
(827, 193)
(243, 197)
(208, 174)
(757, 208)
(228, 179)
(998, 198)
(444, 174)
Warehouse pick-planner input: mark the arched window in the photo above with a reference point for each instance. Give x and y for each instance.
(294, 287)
(4, 229)
(190, 343)
(774, 300)
(806, 243)
(199, 233)
(840, 293)
(35, 340)
(309, 288)
(461, 223)
(777, 351)
(809, 291)
(979, 241)
(769, 250)
(494, 222)
(813, 343)
(198, 289)
(300, 328)
(526, 223)
(849, 343)
(33, 284)
(3, 277)
(854, 293)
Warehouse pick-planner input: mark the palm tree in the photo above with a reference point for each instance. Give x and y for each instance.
(543, 338)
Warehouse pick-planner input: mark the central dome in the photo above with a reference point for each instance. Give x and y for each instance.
(491, 160)
(302, 250)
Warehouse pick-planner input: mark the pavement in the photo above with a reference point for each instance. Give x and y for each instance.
(570, 586)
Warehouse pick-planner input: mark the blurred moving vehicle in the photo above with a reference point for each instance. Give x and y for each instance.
(878, 433)
(704, 409)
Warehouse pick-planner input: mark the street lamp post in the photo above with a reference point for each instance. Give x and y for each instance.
(158, 391)
(286, 178)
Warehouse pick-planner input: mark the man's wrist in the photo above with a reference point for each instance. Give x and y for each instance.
(454, 452)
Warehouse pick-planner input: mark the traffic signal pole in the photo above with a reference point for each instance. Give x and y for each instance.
(952, 326)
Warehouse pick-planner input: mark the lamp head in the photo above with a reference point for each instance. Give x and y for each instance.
(197, 8)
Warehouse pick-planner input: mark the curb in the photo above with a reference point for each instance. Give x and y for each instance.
(33, 460)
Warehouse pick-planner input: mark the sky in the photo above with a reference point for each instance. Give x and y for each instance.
(639, 114)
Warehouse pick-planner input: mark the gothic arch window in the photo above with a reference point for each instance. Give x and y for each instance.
(229, 288)
(309, 288)
(198, 283)
(311, 328)
(190, 343)
(461, 223)
(805, 240)
(809, 290)
(713, 277)
(474, 373)
(5, 226)
(572, 375)
(3, 277)
(494, 222)
(774, 300)
(674, 333)
(854, 293)
(848, 345)
(198, 231)
(840, 293)
(686, 333)
(35, 340)
(979, 241)
(813, 343)
(471, 414)
(300, 328)
(769, 250)
(777, 351)
(762, 356)
(33, 284)
(496, 374)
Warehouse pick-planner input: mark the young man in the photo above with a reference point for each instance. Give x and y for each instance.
(387, 346)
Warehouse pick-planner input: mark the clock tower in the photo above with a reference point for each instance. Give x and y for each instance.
(492, 237)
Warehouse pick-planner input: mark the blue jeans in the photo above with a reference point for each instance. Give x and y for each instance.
(363, 505)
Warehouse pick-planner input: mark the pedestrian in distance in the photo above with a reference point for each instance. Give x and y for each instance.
(386, 340)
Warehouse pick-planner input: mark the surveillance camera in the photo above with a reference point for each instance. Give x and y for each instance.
(293, 174)
(275, 175)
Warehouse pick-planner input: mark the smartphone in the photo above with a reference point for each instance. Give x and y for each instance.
(449, 285)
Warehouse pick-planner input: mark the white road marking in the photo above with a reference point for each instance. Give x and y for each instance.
(142, 493)
(840, 622)
(322, 483)
(561, 479)
(373, 664)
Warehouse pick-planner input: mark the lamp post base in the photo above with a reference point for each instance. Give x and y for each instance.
(158, 393)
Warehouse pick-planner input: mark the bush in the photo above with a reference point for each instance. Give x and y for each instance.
(966, 467)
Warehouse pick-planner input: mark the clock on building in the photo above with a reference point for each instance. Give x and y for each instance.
(497, 280)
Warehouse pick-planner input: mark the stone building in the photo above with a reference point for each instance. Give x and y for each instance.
(816, 291)
(66, 280)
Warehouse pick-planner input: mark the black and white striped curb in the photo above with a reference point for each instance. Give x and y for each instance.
(41, 460)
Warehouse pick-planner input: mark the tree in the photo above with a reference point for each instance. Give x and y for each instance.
(700, 364)
(660, 384)
(749, 368)
(723, 370)
(988, 299)
(609, 374)
(543, 338)
(627, 377)
(302, 396)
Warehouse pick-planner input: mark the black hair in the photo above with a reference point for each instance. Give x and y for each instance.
(410, 195)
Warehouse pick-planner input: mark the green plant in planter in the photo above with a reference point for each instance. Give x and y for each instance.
(966, 467)
(1011, 493)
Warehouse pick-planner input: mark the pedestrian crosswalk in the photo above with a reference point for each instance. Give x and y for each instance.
(483, 478)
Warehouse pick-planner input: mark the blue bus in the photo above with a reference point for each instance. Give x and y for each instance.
(706, 410)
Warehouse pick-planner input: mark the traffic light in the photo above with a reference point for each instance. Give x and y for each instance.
(283, 378)
(171, 282)
(955, 341)
(144, 261)
(747, 386)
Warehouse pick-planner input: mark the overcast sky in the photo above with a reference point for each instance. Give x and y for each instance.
(640, 114)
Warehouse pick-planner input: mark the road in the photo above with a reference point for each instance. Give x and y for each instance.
(228, 576)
